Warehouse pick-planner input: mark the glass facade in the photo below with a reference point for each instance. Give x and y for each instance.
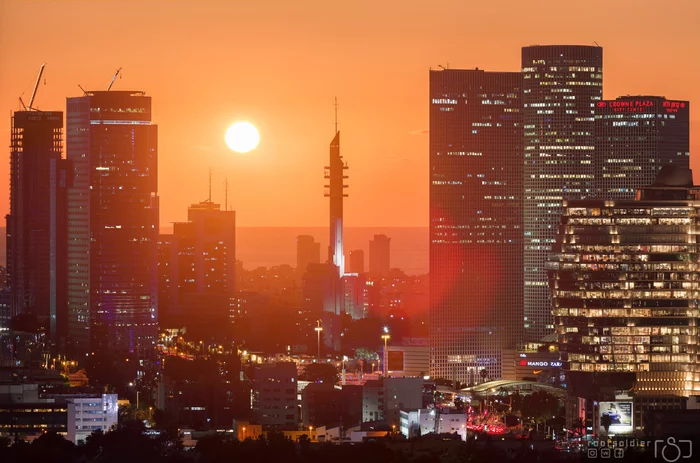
(476, 276)
(36, 224)
(112, 223)
(561, 86)
(198, 270)
(626, 287)
(635, 137)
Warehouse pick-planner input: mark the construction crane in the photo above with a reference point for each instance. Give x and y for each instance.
(113, 79)
(36, 87)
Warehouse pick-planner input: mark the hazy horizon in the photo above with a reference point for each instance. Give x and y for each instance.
(270, 246)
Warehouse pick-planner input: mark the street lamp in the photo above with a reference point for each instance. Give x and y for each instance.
(318, 330)
(386, 338)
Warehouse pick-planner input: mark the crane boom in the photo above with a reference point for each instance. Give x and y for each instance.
(36, 85)
(113, 79)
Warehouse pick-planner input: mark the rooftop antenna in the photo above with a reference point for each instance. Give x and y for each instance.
(225, 194)
(336, 114)
(84, 91)
(209, 200)
(441, 67)
(596, 43)
(113, 79)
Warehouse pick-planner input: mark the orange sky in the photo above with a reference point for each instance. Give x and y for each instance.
(279, 64)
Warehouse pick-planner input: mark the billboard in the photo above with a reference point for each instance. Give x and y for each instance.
(620, 414)
(395, 360)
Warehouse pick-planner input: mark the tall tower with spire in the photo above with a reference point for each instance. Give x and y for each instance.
(335, 190)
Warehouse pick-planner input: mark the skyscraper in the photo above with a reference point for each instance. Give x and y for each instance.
(201, 269)
(379, 255)
(356, 262)
(635, 137)
(561, 86)
(112, 222)
(308, 252)
(625, 291)
(476, 167)
(36, 225)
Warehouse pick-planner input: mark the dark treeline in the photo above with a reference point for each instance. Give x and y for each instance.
(129, 444)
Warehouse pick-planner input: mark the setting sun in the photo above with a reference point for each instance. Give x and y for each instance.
(242, 137)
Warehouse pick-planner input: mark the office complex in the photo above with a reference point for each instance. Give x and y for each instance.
(380, 255)
(36, 225)
(112, 222)
(625, 291)
(476, 231)
(635, 137)
(561, 86)
(197, 276)
(308, 252)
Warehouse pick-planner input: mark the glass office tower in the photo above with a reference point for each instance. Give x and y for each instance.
(561, 86)
(112, 223)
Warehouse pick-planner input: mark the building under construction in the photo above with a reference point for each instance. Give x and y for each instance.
(36, 224)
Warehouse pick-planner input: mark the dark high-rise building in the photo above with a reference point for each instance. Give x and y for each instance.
(308, 252)
(274, 396)
(476, 266)
(198, 269)
(379, 255)
(625, 293)
(561, 86)
(112, 223)
(635, 137)
(335, 174)
(354, 297)
(36, 225)
(356, 262)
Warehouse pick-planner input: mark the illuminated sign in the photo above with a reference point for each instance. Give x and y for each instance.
(395, 361)
(620, 414)
(535, 363)
(640, 106)
(444, 101)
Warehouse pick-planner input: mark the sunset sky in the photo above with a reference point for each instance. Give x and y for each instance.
(279, 64)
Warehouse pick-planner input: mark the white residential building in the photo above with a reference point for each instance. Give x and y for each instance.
(88, 414)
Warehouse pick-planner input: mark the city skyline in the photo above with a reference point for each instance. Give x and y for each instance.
(379, 136)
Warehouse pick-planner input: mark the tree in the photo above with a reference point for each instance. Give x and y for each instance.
(605, 422)
(459, 403)
(578, 425)
(323, 372)
(483, 373)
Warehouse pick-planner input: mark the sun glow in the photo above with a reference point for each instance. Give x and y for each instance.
(242, 137)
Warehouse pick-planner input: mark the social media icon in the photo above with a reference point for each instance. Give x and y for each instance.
(592, 453)
(619, 453)
(605, 453)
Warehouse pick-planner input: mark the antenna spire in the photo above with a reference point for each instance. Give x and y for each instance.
(226, 195)
(209, 184)
(336, 114)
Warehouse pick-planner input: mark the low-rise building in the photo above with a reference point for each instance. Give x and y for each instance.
(415, 423)
(87, 414)
(330, 406)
